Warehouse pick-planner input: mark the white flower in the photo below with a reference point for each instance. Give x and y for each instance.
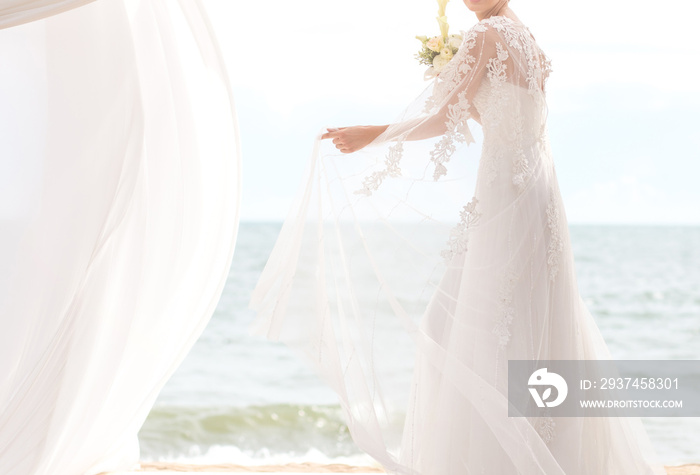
(439, 62)
(455, 41)
(446, 53)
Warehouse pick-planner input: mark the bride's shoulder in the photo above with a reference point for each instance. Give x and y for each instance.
(491, 27)
(498, 22)
(495, 29)
(495, 25)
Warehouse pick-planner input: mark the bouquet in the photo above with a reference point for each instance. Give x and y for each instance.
(437, 51)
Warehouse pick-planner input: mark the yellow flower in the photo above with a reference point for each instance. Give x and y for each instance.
(422, 39)
(444, 26)
(442, 18)
(441, 7)
(446, 53)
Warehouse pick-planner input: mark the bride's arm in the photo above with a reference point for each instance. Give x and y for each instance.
(479, 51)
(352, 139)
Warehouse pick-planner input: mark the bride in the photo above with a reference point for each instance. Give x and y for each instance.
(408, 279)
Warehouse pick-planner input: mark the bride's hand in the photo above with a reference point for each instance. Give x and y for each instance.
(352, 139)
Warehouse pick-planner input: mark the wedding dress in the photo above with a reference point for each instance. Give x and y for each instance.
(403, 245)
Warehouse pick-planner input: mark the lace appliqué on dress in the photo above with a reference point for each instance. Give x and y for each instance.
(506, 313)
(546, 69)
(457, 131)
(497, 76)
(489, 163)
(456, 70)
(504, 26)
(555, 241)
(545, 427)
(521, 168)
(459, 236)
(506, 308)
(538, 65)
(497, 67)
(456, 74)
(391, 162)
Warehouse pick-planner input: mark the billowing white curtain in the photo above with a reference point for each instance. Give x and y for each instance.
(119, 192)
(16, 12)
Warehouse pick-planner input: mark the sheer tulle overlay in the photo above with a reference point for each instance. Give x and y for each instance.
(118, 216)
(486, 274)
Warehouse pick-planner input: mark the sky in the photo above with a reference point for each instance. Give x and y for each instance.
(624, 95)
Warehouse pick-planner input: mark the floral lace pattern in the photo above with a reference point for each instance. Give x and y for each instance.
(493, 101)
(457, 131)
(502, 329)
(456, 70)
(555, 240)
(506, 307)
(521, 169)
(459, 236)
(506, 313)
(498, 108)
(489, 162)
(496, 74)
(545, 427)
(391, 162)
(539, 65)
(497, 67)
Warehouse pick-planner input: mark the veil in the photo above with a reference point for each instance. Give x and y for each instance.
(409, 272)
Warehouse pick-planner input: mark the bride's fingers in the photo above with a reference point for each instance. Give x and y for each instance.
(331, 132)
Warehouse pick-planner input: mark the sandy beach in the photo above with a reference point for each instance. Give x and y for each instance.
(687, 469)
(287, 468)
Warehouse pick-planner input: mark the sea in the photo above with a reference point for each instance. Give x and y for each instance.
(241, 399)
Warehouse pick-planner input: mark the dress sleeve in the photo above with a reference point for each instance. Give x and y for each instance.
(446, 109)
(450, 105)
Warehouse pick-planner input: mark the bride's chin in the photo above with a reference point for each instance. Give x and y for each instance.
(473, 4)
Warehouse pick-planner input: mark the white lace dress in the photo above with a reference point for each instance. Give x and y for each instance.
(487, 275)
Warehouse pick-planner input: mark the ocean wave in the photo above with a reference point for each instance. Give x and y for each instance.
(281, 433)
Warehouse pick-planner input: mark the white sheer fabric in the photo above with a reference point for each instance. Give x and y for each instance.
(17, 12)
(405, 245)
(119, 171)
